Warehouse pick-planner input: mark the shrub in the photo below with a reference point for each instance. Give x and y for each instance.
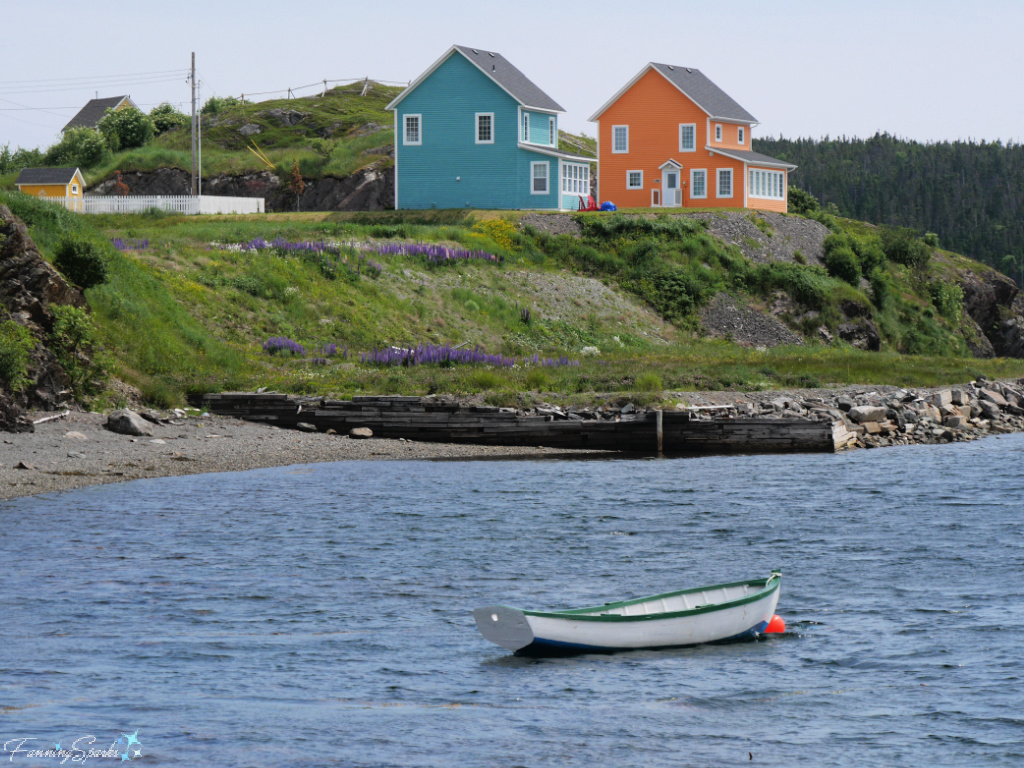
(74, 341)
(215, 104)
(870, 254)
(649, 382)
(881, 288)
(80, 261)
(801, 201)
(842, 263)
(16, 343)
(948, 298)
(498, 230)
(167, 117)
(902, 245)
(931, 239)
(537, 379)
(126, 128)
(80, 147)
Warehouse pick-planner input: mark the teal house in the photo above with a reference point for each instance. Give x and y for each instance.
(474, 132)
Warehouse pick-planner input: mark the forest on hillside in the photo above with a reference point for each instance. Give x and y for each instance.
(971, 194)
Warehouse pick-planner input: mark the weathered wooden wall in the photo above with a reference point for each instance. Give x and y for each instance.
(428, 420)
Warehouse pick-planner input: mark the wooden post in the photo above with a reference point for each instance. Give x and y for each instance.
(661, 432)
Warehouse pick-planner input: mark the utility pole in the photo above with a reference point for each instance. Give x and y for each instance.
(192, 78)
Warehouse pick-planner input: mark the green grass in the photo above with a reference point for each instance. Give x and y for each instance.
(184, 317)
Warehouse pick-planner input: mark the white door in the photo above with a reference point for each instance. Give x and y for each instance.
(673, 196)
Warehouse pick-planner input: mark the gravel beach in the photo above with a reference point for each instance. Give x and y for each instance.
(76, 451)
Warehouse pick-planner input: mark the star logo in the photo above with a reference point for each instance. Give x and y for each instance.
(57, 746)
(132, 738)
(128, 739)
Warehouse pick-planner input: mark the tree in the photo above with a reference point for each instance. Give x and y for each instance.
(81, 147)
(126, 128)
(167, 117)
(215, 104)
(296, 185)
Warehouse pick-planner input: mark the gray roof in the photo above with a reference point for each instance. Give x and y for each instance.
(709, 96)
(752, 158)
(46, 176)
(498, 68)
(543, 149)
(90, 115)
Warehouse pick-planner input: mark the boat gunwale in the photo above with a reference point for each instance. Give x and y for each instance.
(589, 614)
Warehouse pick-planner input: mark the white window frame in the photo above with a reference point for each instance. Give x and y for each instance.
(625, 129)
(576, 179)
(526, 126)
(534, 177)
(74, 189)
(718, 132)
(766, 184)
(693, 185)
(552, 132)
(480, 115)
(682, 147)
(629, 179)
(718, 182)
(419, 131)
(741, 134)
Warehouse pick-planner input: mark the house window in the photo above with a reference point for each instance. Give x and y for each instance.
(413, 130)
(620, 139)
(724, 182)
(74, 189)
(634, 179)
(770, 185)
(698, 183)
(551, 131)
(740, 135)
(539, 178)
(718, 133)
(526, 126)
(484, 127)
(575, 179)
(687, 137)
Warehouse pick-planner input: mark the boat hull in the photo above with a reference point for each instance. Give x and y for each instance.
(571, 632)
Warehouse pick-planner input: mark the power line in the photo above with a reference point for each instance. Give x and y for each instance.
(93, 85)
(93, 78)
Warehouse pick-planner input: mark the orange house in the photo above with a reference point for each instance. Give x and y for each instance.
(671, 138)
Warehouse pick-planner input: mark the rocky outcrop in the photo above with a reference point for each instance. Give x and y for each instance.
(369, 189)
(29, 287)
(725, 318)
(989, 298)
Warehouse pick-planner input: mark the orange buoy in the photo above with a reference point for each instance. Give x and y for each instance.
(775, 625)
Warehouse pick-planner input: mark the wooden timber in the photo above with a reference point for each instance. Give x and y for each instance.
(423, 419)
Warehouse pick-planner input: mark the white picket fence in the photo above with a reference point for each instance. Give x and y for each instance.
(186, 204)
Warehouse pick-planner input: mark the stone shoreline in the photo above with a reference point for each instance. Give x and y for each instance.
(75, 451)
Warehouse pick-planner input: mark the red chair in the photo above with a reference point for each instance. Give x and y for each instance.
(589, 204)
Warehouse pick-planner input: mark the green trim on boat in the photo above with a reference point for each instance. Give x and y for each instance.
(767, 586)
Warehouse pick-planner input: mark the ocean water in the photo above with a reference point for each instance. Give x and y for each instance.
(322, 615)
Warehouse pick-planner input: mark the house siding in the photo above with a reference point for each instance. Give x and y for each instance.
(449, 169)
(539, 130)
(762, 204)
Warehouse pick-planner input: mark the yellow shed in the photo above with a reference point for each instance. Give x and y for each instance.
(63, 183)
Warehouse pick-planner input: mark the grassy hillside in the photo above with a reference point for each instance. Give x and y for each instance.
(615, 310)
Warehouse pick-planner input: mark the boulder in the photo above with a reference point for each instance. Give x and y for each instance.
(990, 409)
(993, 397)
(128, 422)
(867, 413)
(305, 426)
(941, 398)
(360, 433)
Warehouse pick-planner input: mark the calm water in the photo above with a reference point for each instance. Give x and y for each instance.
(321, 615)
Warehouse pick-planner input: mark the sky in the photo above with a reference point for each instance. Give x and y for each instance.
(926, 70)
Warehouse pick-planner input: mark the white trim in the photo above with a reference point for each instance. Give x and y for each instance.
(405, 130)
(630, 186)
(692, 186)
(547, 177)
(476, 123)
(687, 125)
(444, 57)
(718, 131)
(655, 191)
(552, 131)
(718, 183)
(735, 121)
(620, 151)
(574, 174)
(671, 162)
(738, 154)
(741, 136)
(771, 180)
(74, 189)
(544, 149)
(525, 125)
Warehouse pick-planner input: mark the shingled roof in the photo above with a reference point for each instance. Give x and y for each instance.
(46, 175)
(753, 158)
(501, 71)
(692, 82)
(90, 115)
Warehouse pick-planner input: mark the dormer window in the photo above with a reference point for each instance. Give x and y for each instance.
(718, 133)
(740, 135)
(526, 126)
(551, 131)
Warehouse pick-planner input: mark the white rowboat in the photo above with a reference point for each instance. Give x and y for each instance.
(721, 613)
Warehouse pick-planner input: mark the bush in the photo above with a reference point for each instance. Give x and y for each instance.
(649, 382)
(16, 343)
(881, 288)
(903, 246)
(74, 341)
(80, 261)
(215, 104)
(948, 298)
(842, 263)
(931, 239)
(801, 201)
(79, 147)
(126, 128)
(167, 117)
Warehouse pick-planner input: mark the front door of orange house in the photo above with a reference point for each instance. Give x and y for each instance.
(671, 192)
